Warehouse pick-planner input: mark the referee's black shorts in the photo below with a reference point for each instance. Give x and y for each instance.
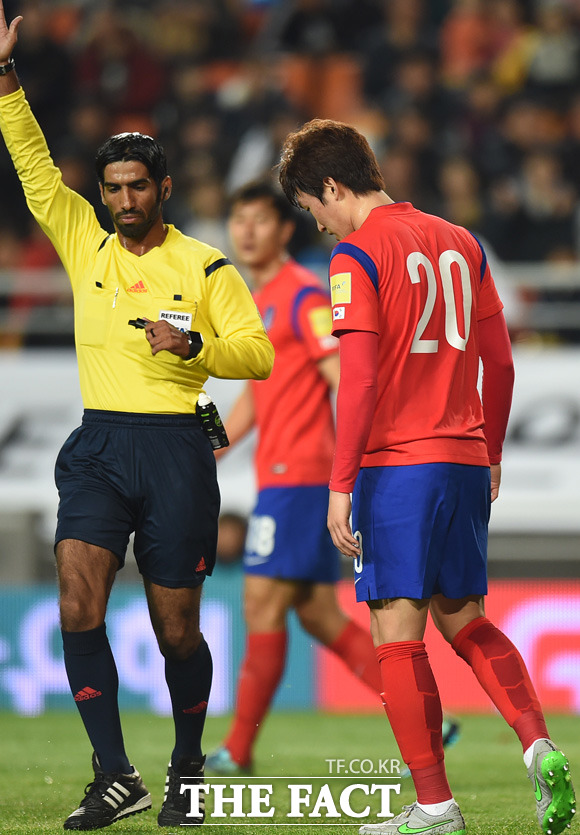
(154, 475)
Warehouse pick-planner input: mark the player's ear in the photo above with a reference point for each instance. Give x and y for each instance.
(330, 188)
(288, 229)
(102, 192)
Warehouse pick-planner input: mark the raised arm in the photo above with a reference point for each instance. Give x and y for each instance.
(8, 36)
(59, 211)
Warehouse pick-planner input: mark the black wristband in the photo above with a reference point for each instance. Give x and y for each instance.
(6, 68)
(195, 340)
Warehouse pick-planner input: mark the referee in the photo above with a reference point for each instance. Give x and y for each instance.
(140, 462)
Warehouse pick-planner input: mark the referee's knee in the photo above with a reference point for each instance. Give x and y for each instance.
(178, 643)
(78, 616)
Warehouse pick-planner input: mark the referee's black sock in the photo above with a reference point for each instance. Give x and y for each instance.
(93, 679)
(189, 685)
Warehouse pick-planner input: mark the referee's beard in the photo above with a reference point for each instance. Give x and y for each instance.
(138, 231)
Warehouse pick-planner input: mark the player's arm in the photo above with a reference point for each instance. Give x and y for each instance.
(355, 323)
(497, 388)
(355, 408)
(329, 368)
(314, 316)
(240, 420)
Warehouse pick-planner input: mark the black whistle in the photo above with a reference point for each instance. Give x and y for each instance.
(138, 323)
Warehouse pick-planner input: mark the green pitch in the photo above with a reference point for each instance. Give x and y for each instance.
(45, 764)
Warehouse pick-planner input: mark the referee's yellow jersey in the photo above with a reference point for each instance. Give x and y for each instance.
(185, 281)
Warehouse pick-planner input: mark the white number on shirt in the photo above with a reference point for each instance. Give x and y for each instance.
(261, 535)
(358, 561)
(452, 335)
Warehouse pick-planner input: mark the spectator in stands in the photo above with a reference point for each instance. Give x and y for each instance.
(503, 222)
(259, 149)
(549, 207)
(406, 28)
(478, 127)
(526, 125)
(416, 84)
(201, 32)
(412, 129)
(570, 146)
(460, 194)
(554, 57)
(324, 27)
(119, 66)
(399, 167)
(10, 248)
(511, 36)
(207, 213)
(46, 69)
(465, 41)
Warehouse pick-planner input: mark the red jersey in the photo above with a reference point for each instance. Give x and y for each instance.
(293, 411)
(421, 284)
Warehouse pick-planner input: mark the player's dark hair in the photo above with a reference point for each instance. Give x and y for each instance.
(125, 147)
(324, 148)
(263, 190)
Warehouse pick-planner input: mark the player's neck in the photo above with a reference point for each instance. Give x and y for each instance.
(264, 274)
(363, 206)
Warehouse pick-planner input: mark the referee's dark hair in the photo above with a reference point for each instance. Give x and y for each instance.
(263, 190)
(124, 147)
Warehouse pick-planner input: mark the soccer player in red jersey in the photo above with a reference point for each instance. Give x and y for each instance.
(289, 560)
(415, 309)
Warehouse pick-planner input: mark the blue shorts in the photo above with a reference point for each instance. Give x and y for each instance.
(423, 530)
(154, 475)
(288, 538)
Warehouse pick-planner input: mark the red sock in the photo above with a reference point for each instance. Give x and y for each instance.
(354, 646)
(258, 679)
(501, 671)
(412, 703)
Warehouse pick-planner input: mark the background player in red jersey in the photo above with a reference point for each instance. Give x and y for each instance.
(415, 308)
(289, 561)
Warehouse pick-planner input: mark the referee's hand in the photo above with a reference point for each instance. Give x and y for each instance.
(163, 336)
(339, 507)
(8, 35)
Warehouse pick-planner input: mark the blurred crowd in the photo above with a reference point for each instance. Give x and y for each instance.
(472, 106)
